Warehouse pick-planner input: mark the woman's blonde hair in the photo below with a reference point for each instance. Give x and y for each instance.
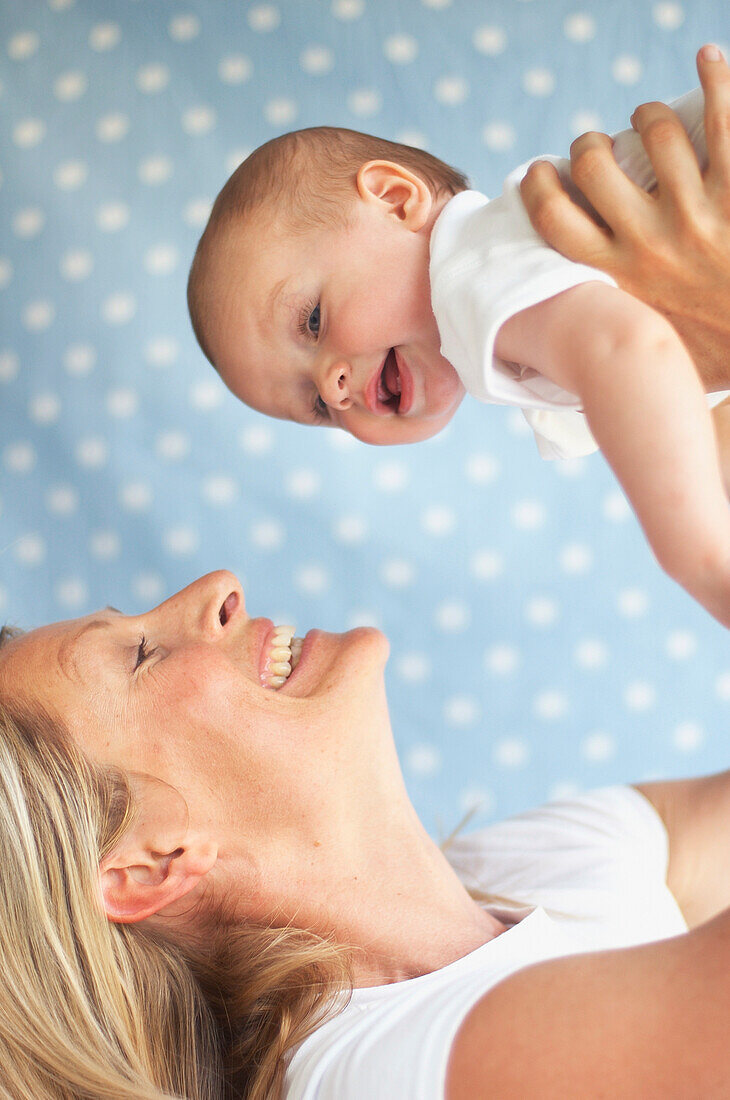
(91, 1010)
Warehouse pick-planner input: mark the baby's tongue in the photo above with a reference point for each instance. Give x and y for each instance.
(391, 374)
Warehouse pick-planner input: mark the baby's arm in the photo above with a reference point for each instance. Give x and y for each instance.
(646, 407)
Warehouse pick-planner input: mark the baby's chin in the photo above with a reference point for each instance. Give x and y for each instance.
(394, 430)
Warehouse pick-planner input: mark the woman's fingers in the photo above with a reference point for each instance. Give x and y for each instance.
(715, 79)
(595, 172)
(670, 151)
(559, 221)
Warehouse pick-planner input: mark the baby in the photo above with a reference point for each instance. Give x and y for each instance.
(350, 281)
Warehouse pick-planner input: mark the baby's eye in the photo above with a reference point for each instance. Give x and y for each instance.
(320, 410)
(309, 321)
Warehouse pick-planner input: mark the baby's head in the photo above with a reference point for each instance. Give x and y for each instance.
(309, 291)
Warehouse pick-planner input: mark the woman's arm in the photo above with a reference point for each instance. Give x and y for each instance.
(643, 1023)
(671, 247)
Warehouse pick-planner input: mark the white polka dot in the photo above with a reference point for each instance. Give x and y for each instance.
(517, 425)
(639, 696)
(152, 78)
(681, 644)
(256, 440)
(118, 309)
(184, 28)
(579, 27)
(44, 408)
(263, 18)
(197, 211)
(364, 102)
(451, 90)
(122, 403)
(60, 5)
(79, 359)
(280, 111)
(626, 69)
(564, 788)
(632, 603)
(391, 477)
(112, 127)
(30, 550)
(688, 736)
(75, 266)
(499, 136)
(71, 593)
(20, 458)
(350, 530)
(205, 396)
(38, 315)
(22, 45)
(528, 515)
(161, 260)
(616, 508)
(181, 541)
(538, 82)
(135, 496)
(62, 500)
(172, 445)
(437, 5)
(312, 580)
(501, 659)
(582, 121)
(112, 216)
(104, 545)
(29, 132)
(570, 468)
(475, 801)
(91, 452)
(339, 440)
(234, 158)
(397, 573)
(155, 170)
(511, 752)
(104, 36)
(6, 272)
(162, 351)
(28, 222)
(668, 16)
(316, 60)
(481, 469)
(489, 40)
(486, 565)
(598, 747)
(198, 120)
(438, 520)
(9, 366)
(541, 611)
(148, 587)
(234, 69)
(423, 759)
(576, 558)
(400, 48)
(591, 653)
(452, 616)
(70, 175)
(70, 86)
(412, 137)
(362, 617)
(461, 710)
(722, 686)
(348, 9)
(414, 668)
(220, 490)
(267, 534)
(550, 705)
(302, 484)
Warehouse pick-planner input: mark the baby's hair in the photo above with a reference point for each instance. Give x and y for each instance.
(304, 178)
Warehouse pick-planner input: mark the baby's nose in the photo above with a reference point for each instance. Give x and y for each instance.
(335, 386)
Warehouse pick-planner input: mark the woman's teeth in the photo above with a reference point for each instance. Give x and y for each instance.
(283, 656)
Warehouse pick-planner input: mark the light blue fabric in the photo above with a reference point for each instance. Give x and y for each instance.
(536, 647)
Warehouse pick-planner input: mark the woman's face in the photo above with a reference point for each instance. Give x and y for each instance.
(177, 693)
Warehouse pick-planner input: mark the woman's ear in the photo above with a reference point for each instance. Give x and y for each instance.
(139, 881)
(397, 191)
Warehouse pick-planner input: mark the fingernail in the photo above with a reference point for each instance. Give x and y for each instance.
(711, 52)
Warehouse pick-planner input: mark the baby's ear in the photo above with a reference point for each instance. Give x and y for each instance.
(396, 191)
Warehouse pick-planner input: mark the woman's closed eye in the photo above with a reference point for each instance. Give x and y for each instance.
(144, 652)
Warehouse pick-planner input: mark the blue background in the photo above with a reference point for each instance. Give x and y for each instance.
(536, 647)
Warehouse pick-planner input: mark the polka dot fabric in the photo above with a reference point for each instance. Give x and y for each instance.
(535, 646)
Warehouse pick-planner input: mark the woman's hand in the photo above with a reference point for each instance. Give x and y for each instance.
(671, 246)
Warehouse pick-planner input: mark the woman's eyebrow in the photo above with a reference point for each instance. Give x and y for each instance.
(65, 651)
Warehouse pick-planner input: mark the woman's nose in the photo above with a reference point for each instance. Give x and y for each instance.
(336, 384)
(207, 606)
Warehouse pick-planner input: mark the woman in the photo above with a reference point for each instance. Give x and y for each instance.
(150, 772)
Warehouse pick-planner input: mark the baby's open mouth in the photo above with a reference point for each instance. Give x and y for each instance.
(284, 651)
(389, 383)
